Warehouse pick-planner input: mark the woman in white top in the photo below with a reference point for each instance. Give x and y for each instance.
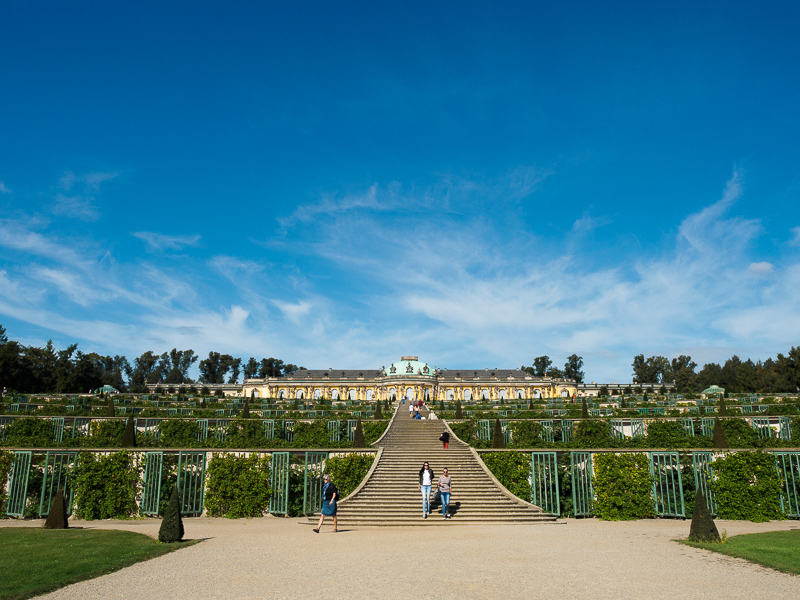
(425, 483)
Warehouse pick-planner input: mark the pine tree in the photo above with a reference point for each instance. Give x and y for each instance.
(584, 409)
(441, 405)
(720, 440)
(378, 413)
(723, 409)
(459, 413)
(171, 525)
(703, 528)
(246, 409)
(129, 435)
(110, 410)
(358, 436)
(498, 440)
(57, 517)
(530, 404)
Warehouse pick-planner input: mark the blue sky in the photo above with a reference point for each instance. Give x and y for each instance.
(337, 184)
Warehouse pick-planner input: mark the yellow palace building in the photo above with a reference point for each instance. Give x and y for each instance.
(412, 378)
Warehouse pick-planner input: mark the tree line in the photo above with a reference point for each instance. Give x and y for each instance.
(46, 370)
(543, 367)
(778, 375)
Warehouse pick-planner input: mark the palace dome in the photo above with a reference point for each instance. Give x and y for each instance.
(410, 366)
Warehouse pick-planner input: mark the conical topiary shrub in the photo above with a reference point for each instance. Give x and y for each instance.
(723, 409)
(498, 439)
(110, 410)
(57, 517)
(246, 409)
(703, 528)
(129, 435)
(530, 404)
(378, 412)
(719, 439)
(171, 525)
(459, 412)
(584, 409)
(358, 436)
(441, 405)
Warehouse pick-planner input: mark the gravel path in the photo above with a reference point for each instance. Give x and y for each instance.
(279, 558)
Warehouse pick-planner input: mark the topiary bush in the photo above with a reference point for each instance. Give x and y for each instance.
(129, 435)
(171, 529)
(747, 487)
(237, 486)
(57, 517)
(358, 436)
(105, 486)
(498, 439)
(622, 485)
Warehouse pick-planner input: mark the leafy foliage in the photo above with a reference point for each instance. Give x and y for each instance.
(6, 460)
(29, 432)
(512, 469)
(525, 434)
(105, 486)
(747, 487)
(347, 472)
(178, 433)
(667, 434)
(593, 433)
(238, 486)
(622, 484)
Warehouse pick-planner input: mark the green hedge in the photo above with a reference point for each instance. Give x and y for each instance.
(6, 460)
(747, 487)
(622, 486)
(237, 486)
(347, 472)
(106, 486)
(512, 469)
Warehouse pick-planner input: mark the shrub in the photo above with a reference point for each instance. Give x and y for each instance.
(623, 485)
(245, 434)
(6, 460)
(667, 434)
(105, 486)
(526, 434)
(702, 528)
(459, 412)
(584, 409)
(176, 433)
(747, 487)
(29, 432)
(739, 434)
(238, 486)
(719, 440)
(592, 433)
(347, 472)
(512, 469)
(129, 435)
(498, 439)
(358, 436)
(105, 434)
(57, 517)
(171, 529)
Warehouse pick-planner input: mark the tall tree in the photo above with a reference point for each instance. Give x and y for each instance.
(235, 369)
(251, 368)
(541, 365)
(176, 364)
(572, 368)
(683, 372)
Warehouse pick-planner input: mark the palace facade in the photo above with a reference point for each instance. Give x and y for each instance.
(412, 378)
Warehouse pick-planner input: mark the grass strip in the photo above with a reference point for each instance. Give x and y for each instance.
(779, 550)
(36, 561)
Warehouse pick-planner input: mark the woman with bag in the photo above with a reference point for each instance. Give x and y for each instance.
(330, 494)
(425, 483)
(444, 493)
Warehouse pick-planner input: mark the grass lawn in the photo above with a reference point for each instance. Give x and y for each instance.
(35, 561)
(775, 549)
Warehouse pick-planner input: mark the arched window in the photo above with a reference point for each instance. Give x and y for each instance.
(409, 393)
(254, 394)
(427, 395)
(484, 394)
(467, 394)
(502, 394)
(317, 394)
(392, 394)
(520, 394)
(564, 394)
(537, 393)
(450, 394)
(282, 395)
(299, 394)
(334, 394)
(370, 393)
(351, 395)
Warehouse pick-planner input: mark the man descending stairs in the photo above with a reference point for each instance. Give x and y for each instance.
(391, 496)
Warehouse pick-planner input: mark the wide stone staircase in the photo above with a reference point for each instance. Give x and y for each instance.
(390, 495)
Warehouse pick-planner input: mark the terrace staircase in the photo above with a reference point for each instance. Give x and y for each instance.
(390, 495)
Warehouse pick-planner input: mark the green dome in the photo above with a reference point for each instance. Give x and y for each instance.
(410, 366)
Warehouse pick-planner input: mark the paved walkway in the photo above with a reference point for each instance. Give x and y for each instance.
(277, 558)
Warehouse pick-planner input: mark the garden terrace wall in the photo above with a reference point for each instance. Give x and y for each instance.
(106, 483)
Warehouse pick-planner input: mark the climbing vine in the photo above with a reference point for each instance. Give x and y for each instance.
(622, 485)
(747, 487)
(106, 486)
(238, 486)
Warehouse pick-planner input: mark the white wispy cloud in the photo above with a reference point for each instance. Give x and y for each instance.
(4, 189)
(587, 223)
(76, 207)
(795, 241)
(157, 242)
(79, 201)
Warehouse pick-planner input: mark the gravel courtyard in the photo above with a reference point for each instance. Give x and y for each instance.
(279, 558)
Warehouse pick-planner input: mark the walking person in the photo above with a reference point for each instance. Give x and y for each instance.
(411, 410)
(330, 494)
(425, 483)
(444, 493)
(445, 439)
